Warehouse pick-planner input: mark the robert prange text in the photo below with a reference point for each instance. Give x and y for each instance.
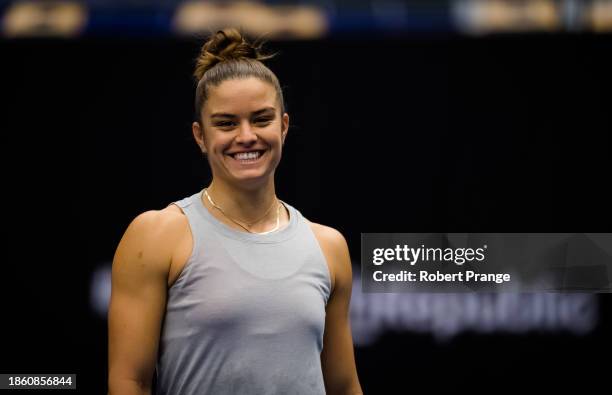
(425, 276)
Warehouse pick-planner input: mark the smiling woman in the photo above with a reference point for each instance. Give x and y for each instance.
(231, 290)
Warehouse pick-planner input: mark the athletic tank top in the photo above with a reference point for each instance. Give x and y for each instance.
(247, 313)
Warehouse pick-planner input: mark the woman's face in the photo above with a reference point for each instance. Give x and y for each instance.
(243, 131)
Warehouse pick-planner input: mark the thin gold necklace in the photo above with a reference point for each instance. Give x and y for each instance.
(242, 226)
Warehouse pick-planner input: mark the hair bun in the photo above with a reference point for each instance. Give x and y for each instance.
(226, 44)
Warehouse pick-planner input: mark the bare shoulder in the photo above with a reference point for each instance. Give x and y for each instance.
(173, 208)
(335, 248)
(154, 233)
(327, 233)
(163, 225)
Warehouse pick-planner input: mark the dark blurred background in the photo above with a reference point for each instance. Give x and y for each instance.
(439, 116)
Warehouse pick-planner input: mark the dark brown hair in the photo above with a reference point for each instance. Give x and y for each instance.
(228, 55)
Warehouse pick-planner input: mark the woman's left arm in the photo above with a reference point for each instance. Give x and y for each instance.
(337, 357)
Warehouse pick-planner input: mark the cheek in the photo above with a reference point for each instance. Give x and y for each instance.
(220, 143)
(276, 134)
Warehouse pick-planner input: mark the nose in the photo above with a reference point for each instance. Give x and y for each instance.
(245, 133)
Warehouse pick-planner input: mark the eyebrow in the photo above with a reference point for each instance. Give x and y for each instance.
(255, 113)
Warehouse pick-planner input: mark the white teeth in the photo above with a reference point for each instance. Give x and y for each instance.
(247, 155)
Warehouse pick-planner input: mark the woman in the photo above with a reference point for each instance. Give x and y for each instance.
(230, 290)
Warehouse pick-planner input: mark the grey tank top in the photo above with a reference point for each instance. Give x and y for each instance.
(247, 313)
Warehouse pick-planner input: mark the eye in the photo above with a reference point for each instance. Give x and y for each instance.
(263, 120)
(225, 124)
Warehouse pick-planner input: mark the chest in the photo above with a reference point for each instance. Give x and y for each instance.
(272, 288)
(184, 249)
(252, 307)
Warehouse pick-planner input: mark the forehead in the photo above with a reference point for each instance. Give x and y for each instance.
(237, 96)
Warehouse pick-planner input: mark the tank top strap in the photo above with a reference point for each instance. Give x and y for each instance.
(197, 224)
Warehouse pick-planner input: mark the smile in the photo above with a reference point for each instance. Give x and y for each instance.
(248, 157)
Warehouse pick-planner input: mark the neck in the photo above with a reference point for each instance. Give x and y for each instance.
(245, 204)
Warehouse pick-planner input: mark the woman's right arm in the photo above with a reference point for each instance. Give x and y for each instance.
(138, 301)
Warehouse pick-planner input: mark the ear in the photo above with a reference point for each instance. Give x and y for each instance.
(285, 127)
(198, 134)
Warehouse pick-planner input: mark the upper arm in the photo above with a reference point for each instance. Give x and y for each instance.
(138, 298)
(337, 357)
